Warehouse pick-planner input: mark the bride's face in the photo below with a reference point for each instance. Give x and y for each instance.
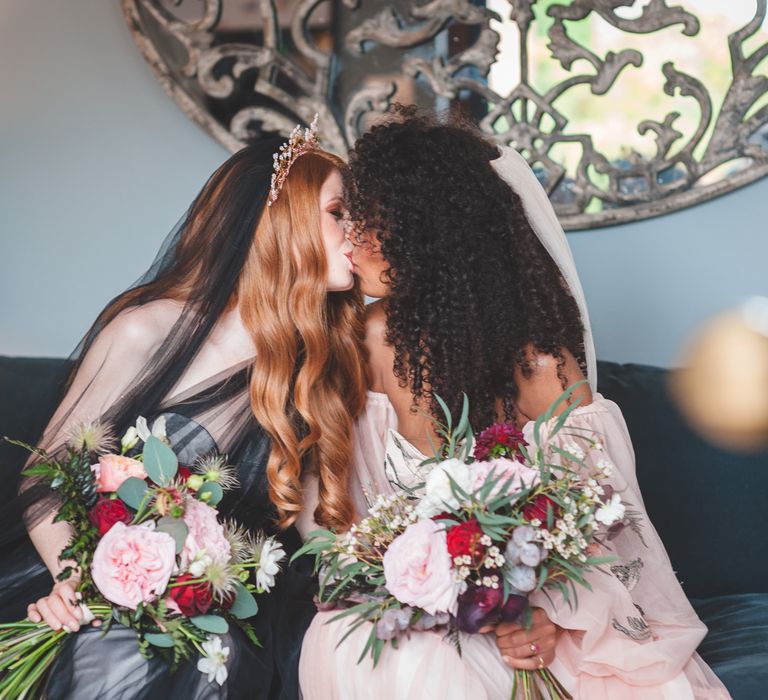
(370, 265)
(338, 250)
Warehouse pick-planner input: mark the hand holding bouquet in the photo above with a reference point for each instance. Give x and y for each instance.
(493, 522)
(149, 552)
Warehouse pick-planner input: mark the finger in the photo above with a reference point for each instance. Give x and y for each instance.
(486, 629)
(69, 596)
(48, 616)
(522, 637)
(59, 607)
(33, 614)
(531, 650)
(530, 664)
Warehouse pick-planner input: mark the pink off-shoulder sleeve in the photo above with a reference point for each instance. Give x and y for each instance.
(634, 635)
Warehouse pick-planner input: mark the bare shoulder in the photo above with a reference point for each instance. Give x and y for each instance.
(381, 355)
(543, 383)
(145, 326)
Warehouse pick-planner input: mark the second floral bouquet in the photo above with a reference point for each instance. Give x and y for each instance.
(147, 551)
(494, 521)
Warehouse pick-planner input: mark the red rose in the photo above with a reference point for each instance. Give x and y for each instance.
(464, 538)
(193, 598)
(537, 509)
(107, 512)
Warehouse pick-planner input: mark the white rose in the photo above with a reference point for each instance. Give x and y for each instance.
(438, 491)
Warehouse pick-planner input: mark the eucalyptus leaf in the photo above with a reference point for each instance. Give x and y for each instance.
(245, 604)
(160, 462)
(215, 491)
(132, 492)
(176, 528)
(211, 623)
(159, 639)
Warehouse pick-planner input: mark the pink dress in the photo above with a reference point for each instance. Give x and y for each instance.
(634, 636)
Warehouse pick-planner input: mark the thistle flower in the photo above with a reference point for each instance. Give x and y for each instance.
(91, 436)
(237, 536)
(215, 468)
(222, 579)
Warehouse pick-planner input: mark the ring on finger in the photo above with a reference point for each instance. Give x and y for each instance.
(541, 661)
(535, 648)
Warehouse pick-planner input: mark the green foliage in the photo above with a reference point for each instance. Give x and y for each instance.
(176, 528)
(211, 493)
(211, 623)
(133, 492)
(245, 604)
(160, 461)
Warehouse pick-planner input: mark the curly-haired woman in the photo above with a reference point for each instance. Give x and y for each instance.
(479, 294)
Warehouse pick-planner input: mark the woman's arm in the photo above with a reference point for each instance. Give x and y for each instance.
(538, 388)
(115, 357)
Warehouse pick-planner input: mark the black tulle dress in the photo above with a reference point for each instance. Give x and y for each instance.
(134, 361)
(110, 666)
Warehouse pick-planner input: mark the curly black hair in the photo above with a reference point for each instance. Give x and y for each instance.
(472, 288)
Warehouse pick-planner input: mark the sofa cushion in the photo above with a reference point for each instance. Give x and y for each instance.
(708, 504)
(736, 647)
(29, 391)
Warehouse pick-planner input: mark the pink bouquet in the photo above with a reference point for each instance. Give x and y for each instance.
(150, 553)
(465, 549)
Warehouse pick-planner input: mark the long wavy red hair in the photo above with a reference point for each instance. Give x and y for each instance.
(308, 381)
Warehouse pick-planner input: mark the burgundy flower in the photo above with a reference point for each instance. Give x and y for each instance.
(107, 512)
(192, 598)
(480, 606)
(499, 440)
(537, 509)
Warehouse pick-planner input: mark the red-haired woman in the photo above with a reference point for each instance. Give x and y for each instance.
(245, 335)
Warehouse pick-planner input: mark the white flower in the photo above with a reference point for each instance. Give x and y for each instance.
(437, 488)
(611, 512)
(158, 428)
(271, 553)
(214, 660)
(130, 439)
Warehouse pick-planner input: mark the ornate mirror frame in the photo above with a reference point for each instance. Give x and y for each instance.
(348, 60)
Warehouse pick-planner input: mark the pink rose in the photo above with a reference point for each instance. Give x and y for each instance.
(417, 569)
(205, 533)
(113, 470)
(132, 564)
(505, 470)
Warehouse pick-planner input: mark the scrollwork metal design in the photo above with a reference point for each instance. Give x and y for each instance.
(237, 90)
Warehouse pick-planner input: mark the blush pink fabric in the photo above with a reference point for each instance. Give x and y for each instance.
(633, 637)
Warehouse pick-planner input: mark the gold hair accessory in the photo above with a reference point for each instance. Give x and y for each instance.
(299, 142)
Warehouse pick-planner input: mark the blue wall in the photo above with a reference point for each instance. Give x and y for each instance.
(97, 164)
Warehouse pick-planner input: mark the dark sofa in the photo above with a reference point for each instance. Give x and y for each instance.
(709, 506)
